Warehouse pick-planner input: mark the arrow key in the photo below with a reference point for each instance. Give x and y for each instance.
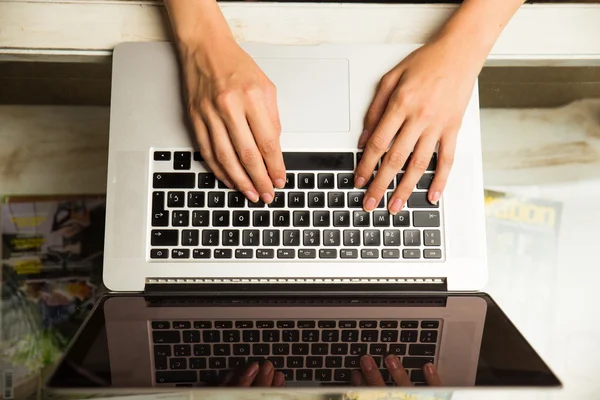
(165, 237)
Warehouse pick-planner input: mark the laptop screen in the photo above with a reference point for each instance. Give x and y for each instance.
(163, 342)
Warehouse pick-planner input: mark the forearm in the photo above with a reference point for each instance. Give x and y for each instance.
(477, 24)
(197, 23)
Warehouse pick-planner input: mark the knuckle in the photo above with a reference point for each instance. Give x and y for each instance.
(396, 159)
(253, 92)
(403, 98)
(425, 113)
(222, 157)
(249, 156)
(387, 80)
(224, 99)
(376, 188)
(269, 146)
(420, 162)
(205, 106)
(377, 142)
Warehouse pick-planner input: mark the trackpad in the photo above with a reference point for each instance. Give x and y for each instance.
(313, 94)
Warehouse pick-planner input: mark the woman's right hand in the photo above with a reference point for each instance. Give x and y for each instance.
(233, 107)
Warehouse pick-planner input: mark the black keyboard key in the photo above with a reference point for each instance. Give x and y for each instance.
(251, 237)
(325, 181)
(316, 199)
(432, 238)
(250, 336)
(314, 362)
(223, 253)
(432, 163)
(369, 253)
(176, 377)
(307, 253)
(300, 349)
(201, 350)
(371, 237)
(241, 349)
(306, 181)
(318, 161)
(402, 219)
(432, 253)
(388, 324)
(221, 185)
(341, 218)
(270, 336)
(291, 335)
(181, 218)
(327, 253)
(319, 349)
(200, 218)
(323, 375)
(181, 325)
(326, 324)
(385, 375)
(321, 218)
(210, 237)
(217, 362)
(291, 237)
(352, 362)
(278, 200)
(296, 199)
(202, 324)
(358, 349)
(361, 218)
(206, 181)
(271, 238)
(425, 181)
(304, 375)
(369, 336)
(355, 199)
(409, 324)
(278, 362)
(197, 363)
(173, 180)
(182, 350)
(160, 218)
(165, 237)
(198, 156)
(416, 362)
(349, 336)
(231, 238)
(265, 324)
(408, 336)
(178, 363)
(201, 253)
(222, 350)
(351, 237)
(182, 165)
(388, 336)
(288, 374)
(261, 349)
(189, 237)
(286, 253)
(333, 362)
(182, 156)
(162, 156)
(216, 199)
(335, 200)
(162, 350)
(416, 375)
(290, 181)
(244, 253)
(331, 237)
(311, 238)
(306, 324)
(265, 253)
(347, 324)
(421, 350)
(281, 218)
(281, 349)
(236, 200)
(211, 336)
(428, 336)
(231, 336)
(345, 181)
(258, 204)
(430, 324)
(412, 237)
(381, 218)
(411, 253)
(378, 350)
(310, 336)
(391, 237)
(341, 375)
(159, 253)
(166, 337)
(158, 202)
(195, 199)
(161, 363)
(419, 200)
(390, 253)
(236, 362)
(210, 377)
(301, 218)
(398, 349)
(339, 348)
(191, 336)
(286, 324)
(161, 325)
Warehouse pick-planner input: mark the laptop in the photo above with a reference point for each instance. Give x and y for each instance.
(204, 282)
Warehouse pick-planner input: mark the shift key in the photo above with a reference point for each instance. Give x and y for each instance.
(164, 237)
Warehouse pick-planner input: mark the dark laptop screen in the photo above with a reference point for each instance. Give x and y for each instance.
(164, 342)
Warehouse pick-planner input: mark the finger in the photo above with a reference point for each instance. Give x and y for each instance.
(419, 161)
(278, 379)
(273, 110)
(446, 151)
(431, 375)
(370, 371)
(205, 147)
(384, 91)
(377, 145)
(356, 378)
(397, 372)
(267, 139)
(249, 375)
(265, 375)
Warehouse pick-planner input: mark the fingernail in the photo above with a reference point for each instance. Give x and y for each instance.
(370, 204)
(228, 184)
(435, 197)
(366, 363)
(252, 370)
(268, 367)
(280, 183)
(267, 198)
(429, 369)
(361, 139)
(396, 206)
(392, 362)
(360, 182)
(252, 196)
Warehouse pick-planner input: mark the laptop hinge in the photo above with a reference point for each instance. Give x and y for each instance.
(300, 285)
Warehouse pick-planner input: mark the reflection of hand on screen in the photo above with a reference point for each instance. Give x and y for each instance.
(369, 374)
(255, 375)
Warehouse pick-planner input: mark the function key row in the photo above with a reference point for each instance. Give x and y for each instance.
(262, 254)
(286, 324)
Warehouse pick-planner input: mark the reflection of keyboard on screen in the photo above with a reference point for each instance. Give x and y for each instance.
(201, 352)
(318, 215)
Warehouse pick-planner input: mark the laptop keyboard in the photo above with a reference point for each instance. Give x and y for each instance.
(318, 215)
(202, 352)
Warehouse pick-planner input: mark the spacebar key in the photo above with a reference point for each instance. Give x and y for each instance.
(318, 161)
(170, 180)
(176, 376)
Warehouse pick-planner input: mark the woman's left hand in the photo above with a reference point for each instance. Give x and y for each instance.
(418, 103)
